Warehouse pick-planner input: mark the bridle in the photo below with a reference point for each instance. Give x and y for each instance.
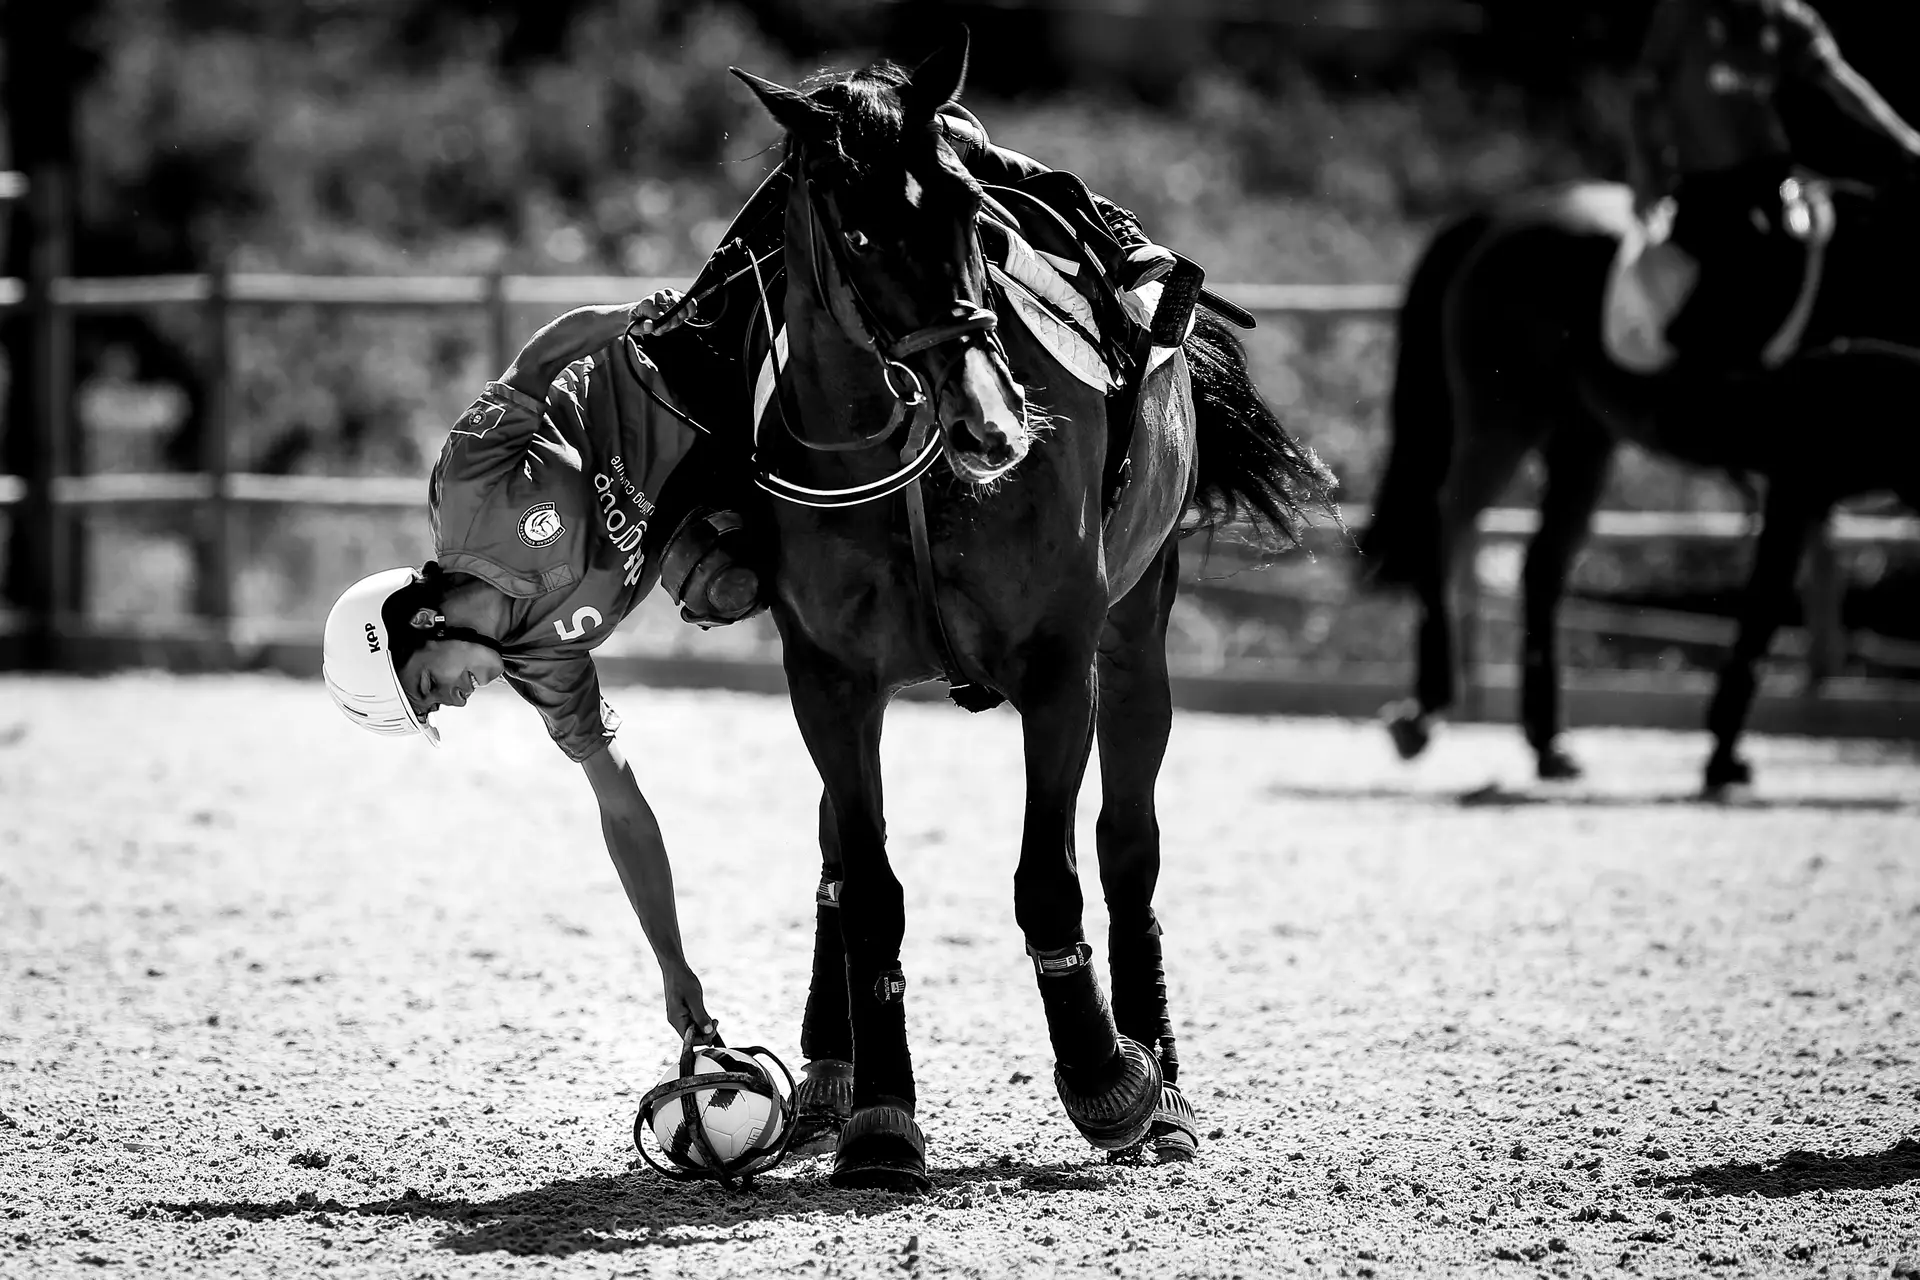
(964, 318)
(911, 401)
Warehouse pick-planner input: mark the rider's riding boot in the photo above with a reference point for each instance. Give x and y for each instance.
(1141, 261)
(708, 569)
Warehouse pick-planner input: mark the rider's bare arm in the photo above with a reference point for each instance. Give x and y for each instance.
(1857, 100)
(578, 333)
(640, 856)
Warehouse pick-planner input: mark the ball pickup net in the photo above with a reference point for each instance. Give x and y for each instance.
(683, 1092)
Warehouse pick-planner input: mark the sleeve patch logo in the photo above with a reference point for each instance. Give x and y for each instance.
(480, 417)
(540, 526)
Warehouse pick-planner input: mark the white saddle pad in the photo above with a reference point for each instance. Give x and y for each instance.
(1650, 281)
(1061, 320)
(1652, 278)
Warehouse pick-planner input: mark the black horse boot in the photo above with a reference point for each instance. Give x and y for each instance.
(823, 1103)
(1111, 1103)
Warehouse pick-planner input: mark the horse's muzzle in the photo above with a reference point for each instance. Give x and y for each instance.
(984, 414)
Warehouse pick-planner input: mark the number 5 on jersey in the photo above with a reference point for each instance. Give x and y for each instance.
(583, 618)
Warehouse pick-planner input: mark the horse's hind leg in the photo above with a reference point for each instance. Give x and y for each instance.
(1790, 518)
(1109, 1084)
(1576, 457)
(1135, 717)
(839, 713)
(825, 1098)
(1484, 464)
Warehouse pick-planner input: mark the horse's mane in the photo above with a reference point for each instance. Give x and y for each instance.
(870, 134)
(867, 123)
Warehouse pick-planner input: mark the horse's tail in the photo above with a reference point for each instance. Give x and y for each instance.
(1401, 544)
(1248, 468)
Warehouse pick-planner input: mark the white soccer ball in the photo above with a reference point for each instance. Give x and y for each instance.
(737, 1120)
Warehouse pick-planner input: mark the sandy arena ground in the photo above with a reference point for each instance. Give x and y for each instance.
(280, 999)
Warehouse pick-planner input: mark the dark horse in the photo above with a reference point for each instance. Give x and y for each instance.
(1500, 356)
(1036, 595)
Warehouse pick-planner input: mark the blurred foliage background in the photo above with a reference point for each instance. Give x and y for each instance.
(1273, 140)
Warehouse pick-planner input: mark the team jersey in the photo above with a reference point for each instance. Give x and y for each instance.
(549, 504)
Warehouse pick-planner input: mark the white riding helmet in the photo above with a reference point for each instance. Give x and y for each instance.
(357, 659)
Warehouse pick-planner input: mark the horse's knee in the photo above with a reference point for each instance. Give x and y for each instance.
(873, 916)
(1131, 825)
(1129, 866)
(1048, 910)
(1131, 915)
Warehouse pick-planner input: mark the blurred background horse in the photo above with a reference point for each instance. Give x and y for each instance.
(1501, 356)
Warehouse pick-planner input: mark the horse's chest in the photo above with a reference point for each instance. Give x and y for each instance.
(995, 562)
(842, 588)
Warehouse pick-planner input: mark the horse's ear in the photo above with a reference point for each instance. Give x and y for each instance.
(938, 80)
(795, 111)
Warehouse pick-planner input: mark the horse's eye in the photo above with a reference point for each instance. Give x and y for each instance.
(859, 240)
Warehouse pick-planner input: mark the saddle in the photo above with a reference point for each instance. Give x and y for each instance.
(1759, 318)
(1049, 277)
(1047, 248)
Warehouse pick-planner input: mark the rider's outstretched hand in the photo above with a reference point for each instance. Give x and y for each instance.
(585, 330)
(565, 339)
(687, 1005)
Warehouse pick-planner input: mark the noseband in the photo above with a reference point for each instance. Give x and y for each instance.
(963, 319)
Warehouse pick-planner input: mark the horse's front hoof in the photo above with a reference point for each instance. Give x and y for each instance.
(822, 1106)
(1119, 1116)
(1175, 1135)
(1555, 765)
(881, 1149)
(1725, 770)
(1410, 728)
(1172, 1138)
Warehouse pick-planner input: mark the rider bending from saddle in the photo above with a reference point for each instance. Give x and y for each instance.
(1709, 133)
(561, 496)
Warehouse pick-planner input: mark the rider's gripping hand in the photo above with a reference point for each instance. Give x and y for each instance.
(686, 1004)
(585, 330)
(566, 338)
(647, 313)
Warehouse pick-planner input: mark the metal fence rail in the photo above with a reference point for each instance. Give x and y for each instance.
(53, 298)
(399, 493)
(124, 293)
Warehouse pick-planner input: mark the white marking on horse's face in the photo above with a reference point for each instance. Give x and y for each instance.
(984, 414)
